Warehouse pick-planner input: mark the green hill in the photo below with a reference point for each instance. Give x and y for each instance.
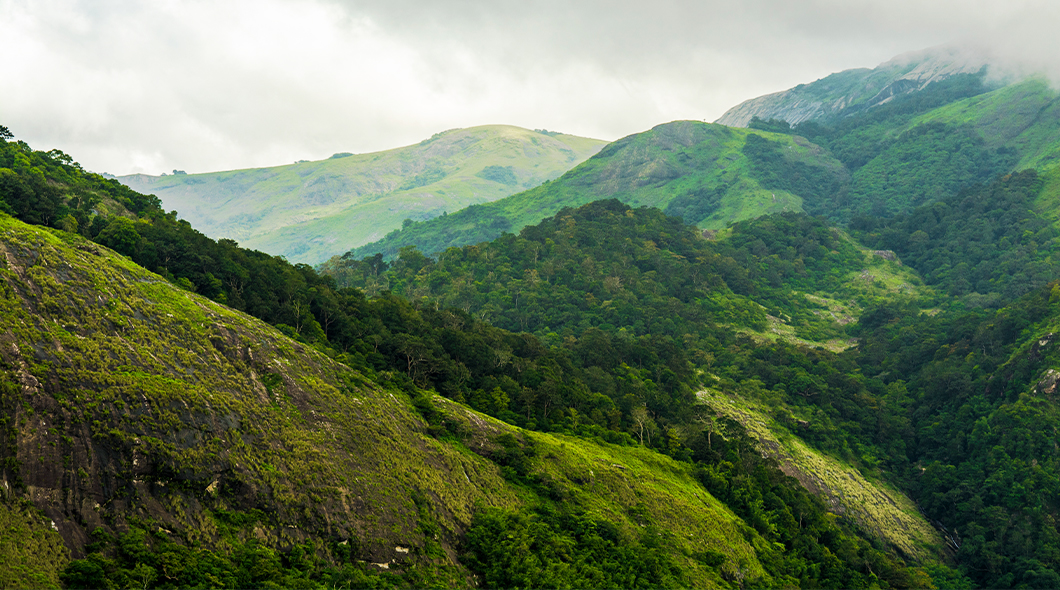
(1024, 117)
(953, 131)
(308, 211)
(704, 173)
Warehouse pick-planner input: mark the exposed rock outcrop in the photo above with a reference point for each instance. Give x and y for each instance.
(830, 96)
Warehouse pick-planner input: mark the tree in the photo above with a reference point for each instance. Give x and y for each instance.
(5, 133)
(644, 423)
(121, 235)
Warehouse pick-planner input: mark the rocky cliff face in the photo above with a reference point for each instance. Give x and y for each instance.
(829, 96)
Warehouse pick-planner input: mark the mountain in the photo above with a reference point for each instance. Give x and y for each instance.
(308, 211)
(705, 173)
(857, 90)
(917, 129)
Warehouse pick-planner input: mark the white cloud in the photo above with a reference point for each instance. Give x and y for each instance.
(198, 85)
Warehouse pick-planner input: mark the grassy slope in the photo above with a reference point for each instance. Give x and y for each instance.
(647, 169)
(31, 552)
(1023, 116)
(880, 279)
(133, 401)
(1048, 202)
(877, 507)
(309, 211)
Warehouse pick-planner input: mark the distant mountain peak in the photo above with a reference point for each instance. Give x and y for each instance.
(309, 211)
(831, 95)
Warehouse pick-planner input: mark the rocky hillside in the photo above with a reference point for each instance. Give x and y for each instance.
(308, 211)
(857, 90)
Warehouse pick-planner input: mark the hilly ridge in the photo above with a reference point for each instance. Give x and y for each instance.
(854, 91)
(944, 126)
(308, 211)
(697, 170)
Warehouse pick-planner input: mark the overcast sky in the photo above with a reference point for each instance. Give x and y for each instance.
(148, 86)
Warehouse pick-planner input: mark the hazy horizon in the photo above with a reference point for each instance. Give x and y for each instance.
(200, 86)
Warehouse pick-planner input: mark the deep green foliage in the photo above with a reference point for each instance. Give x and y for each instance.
(892, 174)
(697, 203)
(987, 243)
(771, 125)
(501, 174)
(792, 251)
(629, 302)
(982, 459)
(144, 559)
(815, 184)
(817, 551)
(567, 548)
(923, 164)
(825, 400)
(49, 188)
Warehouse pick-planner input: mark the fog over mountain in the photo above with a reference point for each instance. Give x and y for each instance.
(200, 86)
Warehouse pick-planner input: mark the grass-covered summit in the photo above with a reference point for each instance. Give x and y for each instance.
(308, 211)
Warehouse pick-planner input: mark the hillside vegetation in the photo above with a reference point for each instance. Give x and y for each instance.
(949, 393)
(137, 406)
(1023, 117)
(309, 211)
